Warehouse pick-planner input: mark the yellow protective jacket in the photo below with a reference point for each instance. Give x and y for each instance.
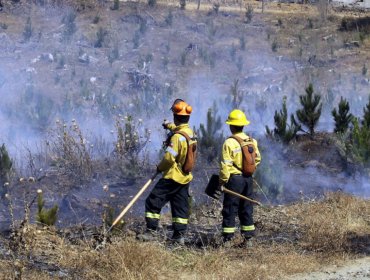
(231, 161)
(175, 155)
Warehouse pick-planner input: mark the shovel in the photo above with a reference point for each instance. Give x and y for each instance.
(124, 211)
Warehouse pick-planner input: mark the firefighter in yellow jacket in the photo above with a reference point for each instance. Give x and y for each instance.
(232, 177)
(174, 185)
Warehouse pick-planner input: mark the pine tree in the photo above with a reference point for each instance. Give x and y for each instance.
(342, 118)
(309, 115)
(360, 142)
(366, 120)
(210, 138)
(282, 130)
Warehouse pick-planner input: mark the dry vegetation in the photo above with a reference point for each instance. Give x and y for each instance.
(292, 239)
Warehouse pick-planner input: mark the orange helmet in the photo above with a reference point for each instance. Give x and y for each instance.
(180, 107)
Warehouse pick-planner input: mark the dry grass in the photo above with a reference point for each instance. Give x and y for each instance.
(317, 234)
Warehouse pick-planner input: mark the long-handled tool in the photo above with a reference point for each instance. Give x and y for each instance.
(212, 188)
(225, 190)
(132, 201)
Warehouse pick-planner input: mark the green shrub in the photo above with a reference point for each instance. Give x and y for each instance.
(236, 95)
(169, 18)
(182, 4)
(113, 54)
(342, 118)
(96, 19)
(242, 43)
(152, 3)
(239, 63)
(364, 70)
(27, 32)
(130, 145)
(136, 39)
(45, 216)
(274, 45)
(310, 114)
(249, 13)
(115, 5)
(210, 136)
(6, 164)
(232, 52)
(366, 120)
(69, 25)
(100, 36)
(360, 142)
(282, 131)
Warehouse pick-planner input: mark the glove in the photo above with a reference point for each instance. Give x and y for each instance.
(158, 171)
(218, 192)
(165, 124)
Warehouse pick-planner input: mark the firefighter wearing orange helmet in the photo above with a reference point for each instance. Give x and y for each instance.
(176, 166)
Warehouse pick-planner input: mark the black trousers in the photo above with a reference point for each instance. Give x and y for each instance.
(233, 206)
(164, 191)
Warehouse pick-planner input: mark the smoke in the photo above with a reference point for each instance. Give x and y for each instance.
(49, 78)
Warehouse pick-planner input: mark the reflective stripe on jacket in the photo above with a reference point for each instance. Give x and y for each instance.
(175, 155)
(231, 161)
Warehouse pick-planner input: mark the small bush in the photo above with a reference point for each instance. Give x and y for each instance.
(282, 131)
(45, 216)
(69, 25)
(96, 19)
(239, 63)
(100, 36)
(310, 114)
(249, 13)
(182, 4)
(210, 136)
(143, 27)
(366, 119)
(216, 7)
(27, 32)
(6, 164)
(342, 118)
(136, 39)
(130, 144)
(113, 54)
(183, 58)
(169, 18)
(242, 43)
(364, 70)
(115, 5)
(274, 45)
(232, 52)
(3, 25)
(152, 3)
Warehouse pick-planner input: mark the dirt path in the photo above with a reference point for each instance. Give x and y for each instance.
(357, 269)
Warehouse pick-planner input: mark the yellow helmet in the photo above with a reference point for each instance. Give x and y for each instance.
(237, 118)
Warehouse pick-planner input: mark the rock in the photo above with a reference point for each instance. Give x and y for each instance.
(353, 44)
(84, 58)
(47, 57)
(365, 81)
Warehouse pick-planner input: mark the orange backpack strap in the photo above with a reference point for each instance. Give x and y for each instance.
(190, 155)
(249, 155)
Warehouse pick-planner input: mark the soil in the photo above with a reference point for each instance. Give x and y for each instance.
(355, 269)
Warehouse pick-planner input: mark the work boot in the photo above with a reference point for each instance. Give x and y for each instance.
(148, 235)
(247, 243)
(227, 241)
(178, 239)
